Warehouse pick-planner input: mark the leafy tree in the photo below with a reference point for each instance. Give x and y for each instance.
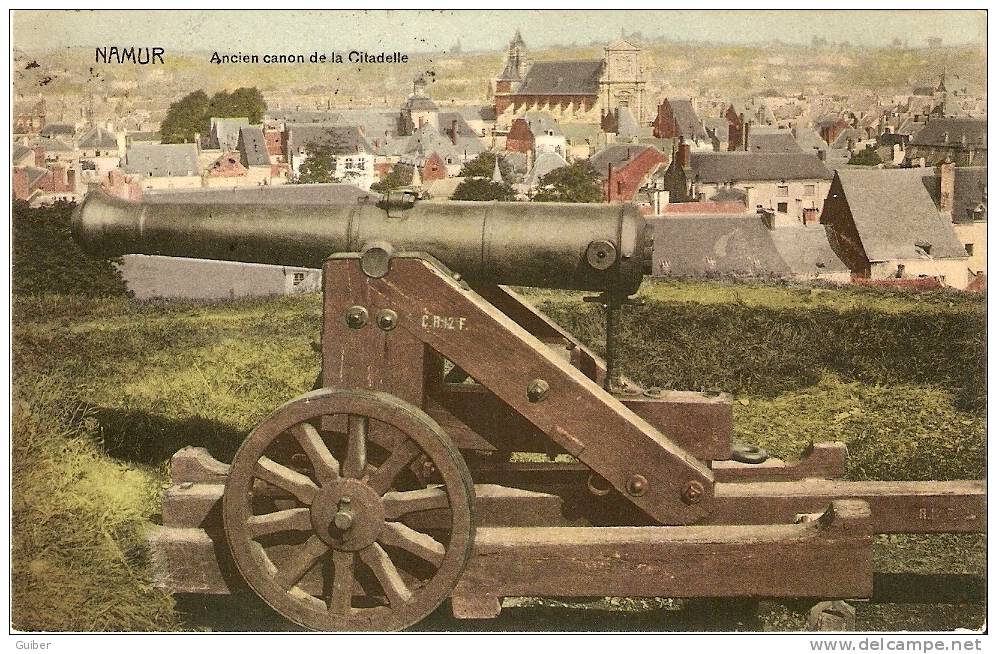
(319, 166)
(192, 114)
(482, 190)
(484, 165)
(867, 157)
(576, 182)
(46, 259)
(184, 118)
(395, 179)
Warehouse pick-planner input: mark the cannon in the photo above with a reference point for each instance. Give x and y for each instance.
(398, 482)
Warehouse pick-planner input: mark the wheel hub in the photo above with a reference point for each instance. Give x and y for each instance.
(347, 515)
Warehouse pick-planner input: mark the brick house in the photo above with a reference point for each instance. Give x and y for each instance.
(677, 119)
(624, 169)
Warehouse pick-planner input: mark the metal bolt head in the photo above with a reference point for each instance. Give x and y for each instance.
(343, 519)
(637, 485)
(387, 319)
(692, 492)
(356, 317)
(537, 390)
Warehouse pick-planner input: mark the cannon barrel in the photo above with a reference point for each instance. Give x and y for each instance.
(549, 245)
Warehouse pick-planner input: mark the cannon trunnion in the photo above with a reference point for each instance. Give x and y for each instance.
(367, 502)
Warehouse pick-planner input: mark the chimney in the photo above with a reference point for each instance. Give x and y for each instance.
(683, 154)
(71, 179)
(453, 132)
(39, 156)
(19, 183)
(747, 128)
(946, 177)
(609, 184)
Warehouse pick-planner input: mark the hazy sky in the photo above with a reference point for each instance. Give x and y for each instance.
(259, 31)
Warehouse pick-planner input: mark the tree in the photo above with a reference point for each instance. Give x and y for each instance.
(395, 179)
(184, 118)
(576, 182)
(867, 157)
(481, 190)
(484, 165)
(319, 166)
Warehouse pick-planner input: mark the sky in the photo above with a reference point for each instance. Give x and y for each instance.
(266, 31)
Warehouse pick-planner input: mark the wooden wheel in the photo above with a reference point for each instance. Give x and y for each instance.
(316, 504)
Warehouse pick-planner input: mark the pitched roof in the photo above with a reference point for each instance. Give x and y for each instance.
(617, 155)
(626, 125)
(542, 122)
(895, 215)
(225, 132)
(950, 132)
(806, 250)
(19, 152)
(544, 164)
(689, 124)
(98, 138)
(52, 129)
(781, 141)
(253, 147)
(562, 78)
(161, 160)
(708, 244)
(718, 167)
(344, 139)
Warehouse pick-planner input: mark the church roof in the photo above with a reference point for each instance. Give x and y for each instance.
(562, 78)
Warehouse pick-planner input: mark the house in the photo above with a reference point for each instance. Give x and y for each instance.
(624, 169)
(960, 193)
(224, 133)
(575, 90)
(161, 166)
(100, 152)
(677, 119)
(772, 140)
(353, 157)
(961, 140)
(535, 134)
(791, 186)
(39, 182)
(884, 225)
(545, 163)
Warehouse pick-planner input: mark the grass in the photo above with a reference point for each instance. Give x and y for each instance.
(106, 389)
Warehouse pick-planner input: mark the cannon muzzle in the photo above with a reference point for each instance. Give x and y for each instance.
(566, 246)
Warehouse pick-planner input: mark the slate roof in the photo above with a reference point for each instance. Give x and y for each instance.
(35, 175)
(346, 139)
(159, 160)
(98, 138)
(806, 250)
(689, 124)
(711, 244)
(57, 129)
(617, 155)
(540, 122)
(626, 125)
(781, 141)
(544, 164)
(282, 194)
(225, 132)
(894, 214)
(19, 152)
(253, 147)
(718, 167)
(934, 131)
(562, 78)
(846, 135)
(421, 103)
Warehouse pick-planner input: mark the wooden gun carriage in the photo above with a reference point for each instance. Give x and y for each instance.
(397, 484)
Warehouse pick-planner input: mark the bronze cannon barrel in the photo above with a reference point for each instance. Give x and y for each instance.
(550, 245)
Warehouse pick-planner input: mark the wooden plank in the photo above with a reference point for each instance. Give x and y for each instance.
(195, 464)
(576, 414)
(820, 461)
(703, 425)
(829, 557)
(898, 507)
(188, 560)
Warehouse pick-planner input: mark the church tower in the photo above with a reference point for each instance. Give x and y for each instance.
(513, 72)
(623, 81)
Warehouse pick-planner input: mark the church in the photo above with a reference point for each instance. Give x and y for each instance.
(584, 91)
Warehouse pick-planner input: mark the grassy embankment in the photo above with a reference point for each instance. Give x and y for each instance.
(107, 389)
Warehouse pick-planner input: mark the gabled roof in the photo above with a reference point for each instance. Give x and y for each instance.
(542, 122)
(617, 155)
(161, 160)
(562, 78)
(344, 139)
(225, 132)
(806, 250)
(35, 175)
(621, 44)
(707, 244)
(776, 141)
(253, 147)
(19, 152)
(544, 164)
(98, 138)
(719, 167)
(626, 125)
(60, 129)
(895, 215)
(950, 132)
(689, 124)
(53, 145)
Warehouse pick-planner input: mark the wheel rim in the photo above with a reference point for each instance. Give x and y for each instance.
(315, 511)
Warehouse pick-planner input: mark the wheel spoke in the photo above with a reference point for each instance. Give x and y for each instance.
(287, 520)
(356, 447)
(283, 477)
(387, 575)
(326, 466)
(342, 582)
(422, 545)
(397, 504)
(380, 480)
(301, 562)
